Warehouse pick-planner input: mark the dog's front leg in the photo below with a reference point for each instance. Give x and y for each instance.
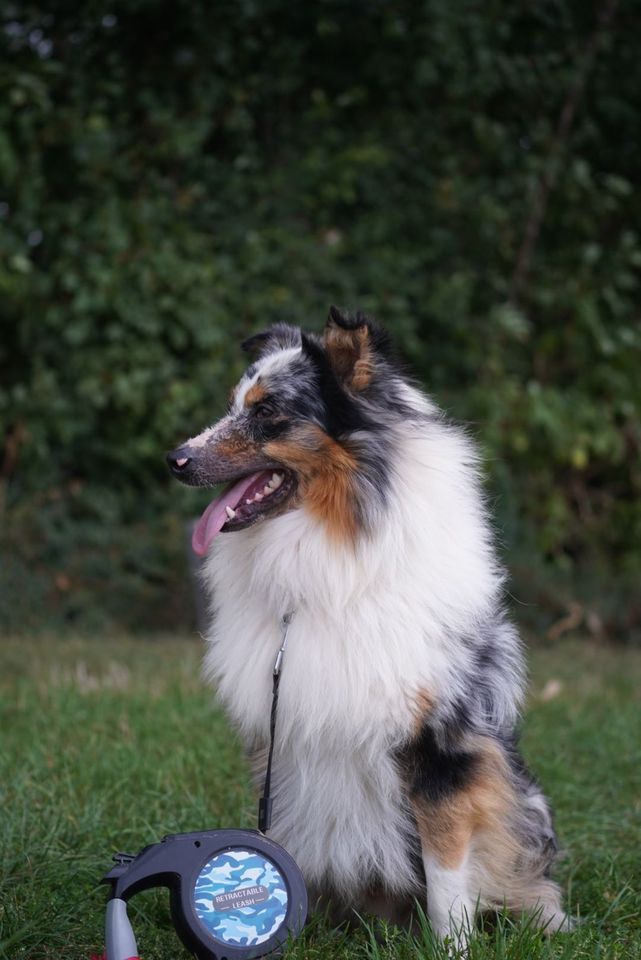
(450, 905)
(445, 847)
(471, 851)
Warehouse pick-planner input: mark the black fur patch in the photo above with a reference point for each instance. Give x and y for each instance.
(268, 430)
(437, 765)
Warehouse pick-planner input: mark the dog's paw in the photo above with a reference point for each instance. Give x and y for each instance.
(455, 938)
(561, 923)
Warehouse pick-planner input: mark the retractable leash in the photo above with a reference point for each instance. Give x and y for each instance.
(234, 894)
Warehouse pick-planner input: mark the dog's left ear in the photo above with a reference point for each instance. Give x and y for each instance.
(256, 343)
(352, 343)
(277, 337)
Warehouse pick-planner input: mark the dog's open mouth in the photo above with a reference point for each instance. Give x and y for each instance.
(241, 503)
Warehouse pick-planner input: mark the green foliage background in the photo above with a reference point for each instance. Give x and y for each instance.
(176, 175)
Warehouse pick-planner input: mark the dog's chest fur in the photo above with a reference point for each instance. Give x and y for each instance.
(339, 803)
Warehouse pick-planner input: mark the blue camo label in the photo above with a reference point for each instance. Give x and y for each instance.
(240, 897)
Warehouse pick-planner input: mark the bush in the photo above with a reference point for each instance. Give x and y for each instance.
(177, 175)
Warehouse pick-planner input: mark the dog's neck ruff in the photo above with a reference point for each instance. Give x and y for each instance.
(265, 802)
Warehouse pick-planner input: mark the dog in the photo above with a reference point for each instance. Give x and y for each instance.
(353, 504)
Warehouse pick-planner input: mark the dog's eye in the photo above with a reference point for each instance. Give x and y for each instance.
(263, 410)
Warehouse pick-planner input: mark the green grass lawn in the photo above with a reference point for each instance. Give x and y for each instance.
(107, 745)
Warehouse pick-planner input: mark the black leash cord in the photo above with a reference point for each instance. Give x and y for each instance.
(265, 802)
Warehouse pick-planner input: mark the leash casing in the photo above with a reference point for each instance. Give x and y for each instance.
(234, 894)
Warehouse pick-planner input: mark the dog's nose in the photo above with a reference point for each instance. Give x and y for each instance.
(178, 460)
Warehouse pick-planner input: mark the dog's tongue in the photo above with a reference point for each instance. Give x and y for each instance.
(215, 516)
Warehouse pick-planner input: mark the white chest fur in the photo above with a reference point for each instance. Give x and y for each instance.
(339, 803)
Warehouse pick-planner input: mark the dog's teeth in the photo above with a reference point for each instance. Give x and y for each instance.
(266, 490)
(230, 513)
(248, 501)
(258, 497)
(276, 481)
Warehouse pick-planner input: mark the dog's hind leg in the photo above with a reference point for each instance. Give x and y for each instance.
(532, 891)
(479, 848)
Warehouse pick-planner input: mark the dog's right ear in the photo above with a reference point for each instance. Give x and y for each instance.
(353, 342)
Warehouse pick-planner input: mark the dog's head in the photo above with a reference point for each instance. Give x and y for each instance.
(303, 428)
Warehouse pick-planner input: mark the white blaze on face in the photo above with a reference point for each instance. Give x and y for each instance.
(202, 439)
(267, 366)
(217, 432)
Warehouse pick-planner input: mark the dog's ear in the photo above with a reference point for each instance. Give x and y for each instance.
(352, 343)
(255, 344)
(277, 337)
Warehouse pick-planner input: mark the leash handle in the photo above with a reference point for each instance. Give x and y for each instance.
(120, 941)
(265, 802)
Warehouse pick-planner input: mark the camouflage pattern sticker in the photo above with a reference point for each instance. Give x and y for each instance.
(240, 897)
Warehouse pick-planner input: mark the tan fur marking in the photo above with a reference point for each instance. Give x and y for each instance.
(326, 474)
(350, 354)
(255, 394)
(480, 810)
(236, 449)
(422, 704)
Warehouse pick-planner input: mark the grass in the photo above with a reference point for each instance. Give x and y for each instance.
(107, 745)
